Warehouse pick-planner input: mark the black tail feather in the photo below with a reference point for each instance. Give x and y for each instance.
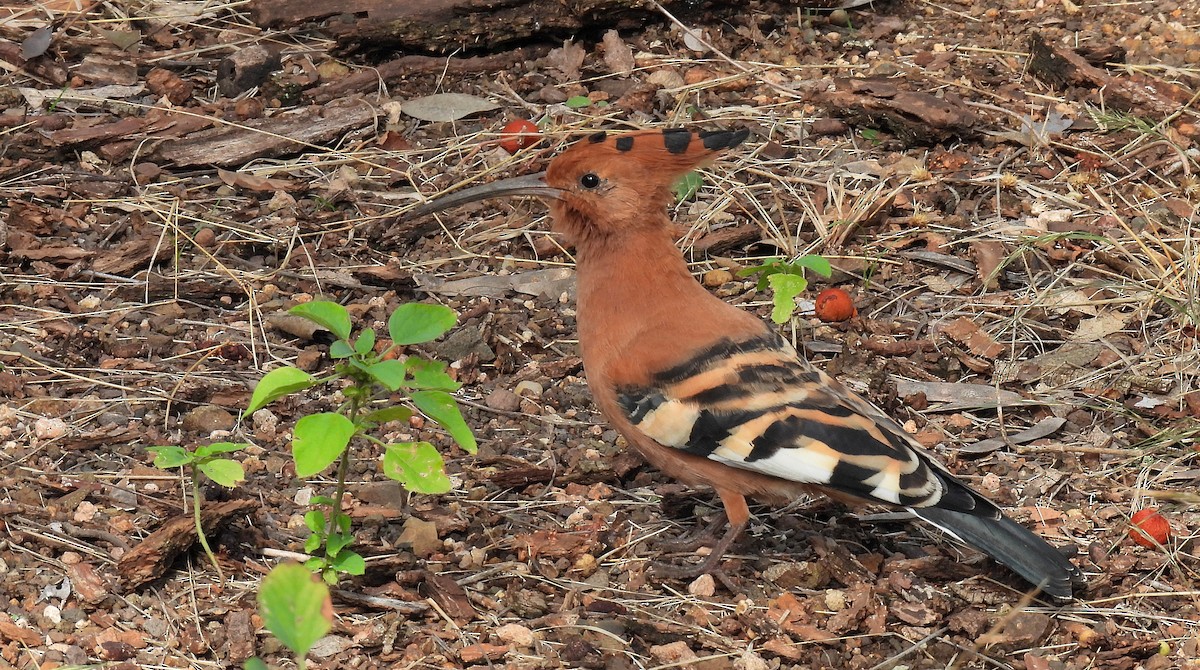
(1010, 544)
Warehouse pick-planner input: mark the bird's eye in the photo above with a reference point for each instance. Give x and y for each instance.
(589, 181)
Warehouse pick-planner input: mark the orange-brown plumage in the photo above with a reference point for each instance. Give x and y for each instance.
(709, 393)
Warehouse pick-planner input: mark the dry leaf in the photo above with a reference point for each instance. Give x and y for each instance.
(421, 536)
(958, 395)
(988, 257)
(568, 60)
(617, 54)
(254, 182)
(446, 106)
(1098, 328)
(968, 333)
(37, 43)
(1037, 431)
(551, 282)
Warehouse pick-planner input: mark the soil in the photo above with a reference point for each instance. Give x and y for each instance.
(1019, 237)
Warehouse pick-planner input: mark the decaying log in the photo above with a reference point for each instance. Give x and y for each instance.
(912, 116)
(151, 558)
(444, 26)
(270, 137)
(395, 70)
(1144, 96)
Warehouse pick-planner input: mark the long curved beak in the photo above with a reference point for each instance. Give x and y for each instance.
(531, 184)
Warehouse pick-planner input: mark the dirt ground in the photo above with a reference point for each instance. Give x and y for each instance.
(1022, 245)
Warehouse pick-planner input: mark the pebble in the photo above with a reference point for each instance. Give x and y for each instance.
(208, 418)
(46, 428)
(718, 277)
(515, 634)
(703, 586)
(503, 400)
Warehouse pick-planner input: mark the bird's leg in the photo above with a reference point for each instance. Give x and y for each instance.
(738, 515)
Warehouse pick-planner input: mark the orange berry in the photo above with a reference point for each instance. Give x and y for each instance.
(1150, 529)
(834, 304)
(519, 134)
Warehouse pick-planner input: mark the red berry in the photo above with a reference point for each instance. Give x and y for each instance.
(1150, 529)
(834, 304)
(519, 134)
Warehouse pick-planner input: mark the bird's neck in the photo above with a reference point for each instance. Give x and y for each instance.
(635, 293)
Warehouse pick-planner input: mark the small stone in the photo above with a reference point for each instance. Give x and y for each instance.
(205, 238)
(503, 400)
(749, 660)
(266, 424)
(677, 653)
(208, 418)
(703, 586)
(47, 428)
(835, 600)
(551, 95)
(828, 127)
(718, 277)
(477, 653)
(421, 536)
(529, 389)
(52, 614)
(515, 634)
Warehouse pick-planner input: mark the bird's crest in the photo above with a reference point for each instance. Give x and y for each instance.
(661, 153)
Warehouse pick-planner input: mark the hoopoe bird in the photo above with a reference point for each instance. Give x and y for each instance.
(709, 393)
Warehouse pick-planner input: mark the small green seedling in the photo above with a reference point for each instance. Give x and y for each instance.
(296, 608)
(323, 438)
(786, 279)
(686, 186)
(205, 460)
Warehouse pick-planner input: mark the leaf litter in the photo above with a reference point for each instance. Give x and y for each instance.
(1034, 287)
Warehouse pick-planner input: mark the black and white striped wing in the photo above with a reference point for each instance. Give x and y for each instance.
(755, 405)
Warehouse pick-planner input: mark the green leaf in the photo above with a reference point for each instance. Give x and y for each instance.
(342, 521)
(295, 607)
(578, 102)
(418, 322)
(329, 315)
(312, 543)
(786, 287)
(393, 413)
(315, 520)
(224, 471)
(390, 373)
(340, 349)
(440, 406)
(276, 384)
(254, 663)
(430, 375)
(417, 466)
(365, 342)
(686, 186)
(170, 457)
(219, 448)
(349, 563)
(319, 440)
(816, 263)
(336, 542)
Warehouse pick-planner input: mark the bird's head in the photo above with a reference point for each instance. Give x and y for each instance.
(607, 184)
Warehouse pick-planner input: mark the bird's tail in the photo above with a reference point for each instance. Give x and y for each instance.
(1010, 544)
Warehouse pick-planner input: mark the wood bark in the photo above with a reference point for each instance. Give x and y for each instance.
(152, 557)
(445, 26)
(1144, 96)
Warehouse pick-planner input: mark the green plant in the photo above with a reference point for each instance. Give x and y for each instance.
(207, 461)
(323, 438)
(686, 186)
(786, 279)
(296, 608)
